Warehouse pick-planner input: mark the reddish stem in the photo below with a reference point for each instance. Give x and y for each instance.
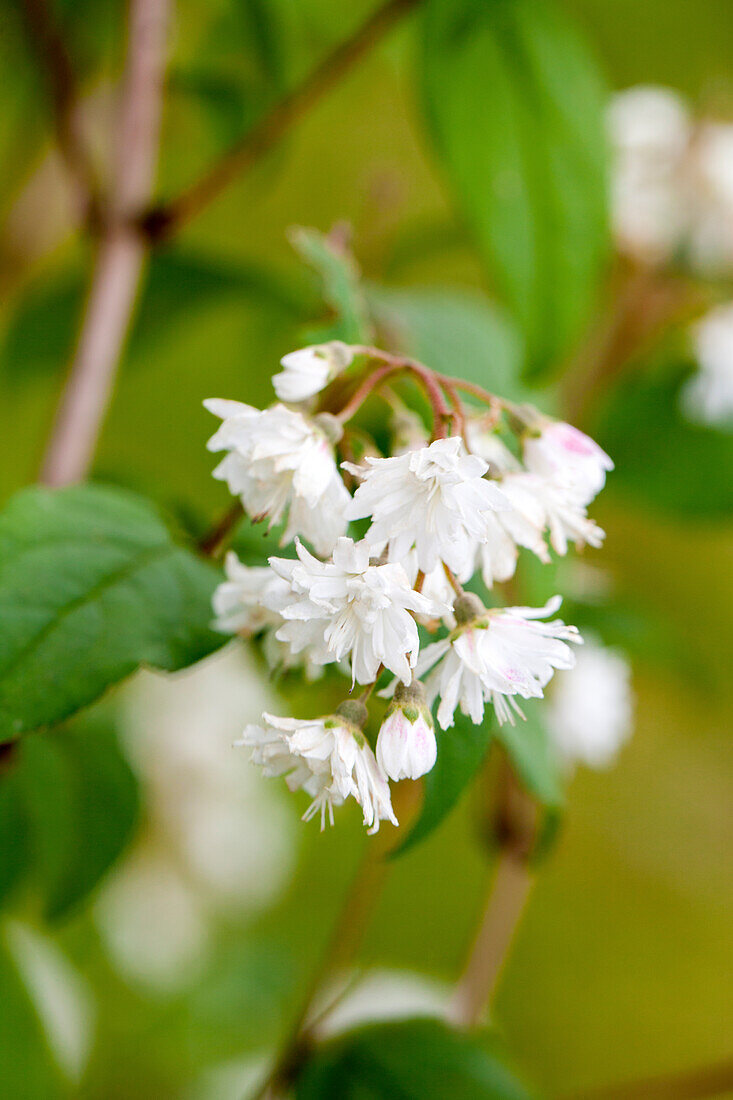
(392, 364)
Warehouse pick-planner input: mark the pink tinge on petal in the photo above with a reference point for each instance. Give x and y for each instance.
(574, 441)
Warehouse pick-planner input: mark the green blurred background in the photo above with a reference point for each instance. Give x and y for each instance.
(622, 967)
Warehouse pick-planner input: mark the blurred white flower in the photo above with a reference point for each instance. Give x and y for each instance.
(711, 188)
(590, 709)
(328, 758)
(278, 462)
(348, 607)
(307, 371)
(708, 395)
(650, 131)
(565, 456)
(435, 500)
(494, 657)
(153, 922)
(60, 996)
(217, 839)
(406, 746)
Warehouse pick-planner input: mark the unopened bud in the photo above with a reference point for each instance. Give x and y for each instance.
(467, 608)
(406, 746)
(354, 712)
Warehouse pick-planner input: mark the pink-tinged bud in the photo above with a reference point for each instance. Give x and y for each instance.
(560, 451)
(406, 746)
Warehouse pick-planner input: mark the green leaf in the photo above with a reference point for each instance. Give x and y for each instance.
(662, 459)
(68, 807)
(516, 110)
(92, 585)
(455, 332)
(461, 749)
(342, 290)
(530, 750)
(419, 1059)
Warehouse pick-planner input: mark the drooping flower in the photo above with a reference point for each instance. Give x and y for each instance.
(351, 608)
(278, 461)
(566, 516)
(436, 500)
(406, 746)
(590, 709)
(708, 395)
(494, 656)
(329, 758)
(521, 525)
(309, 370)
(565, 456)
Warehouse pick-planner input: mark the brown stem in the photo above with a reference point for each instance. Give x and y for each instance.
(121, 252)
(166, 219)
(61, 80)
(345, 940)
(644, 301)
(214, 540)
(515, 828)
(692, 1084)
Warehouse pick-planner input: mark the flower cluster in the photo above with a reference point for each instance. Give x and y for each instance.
(434, 514)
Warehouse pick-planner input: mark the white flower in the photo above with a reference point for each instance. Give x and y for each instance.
(565, 456)
(494, 657)
(278, 461)
(650, 132)
(328, 758)
(590, 709)
(307, 371)
(521, 525)
(566, 516)
(237, 601)
(349, 607)
(435, 499)
(406, 746)
(483, 441)
(708, 396)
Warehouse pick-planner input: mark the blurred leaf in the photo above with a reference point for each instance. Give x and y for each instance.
(516, 109)
(105, 809)
(41, 335)
(14, 840)
(419, 1059)
(456, 333)
(29, 1070)
(68, 806)
(662, 459)
(239, 65)
(461, 750)
(342, 289)
(530, 750)
(92, 585)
